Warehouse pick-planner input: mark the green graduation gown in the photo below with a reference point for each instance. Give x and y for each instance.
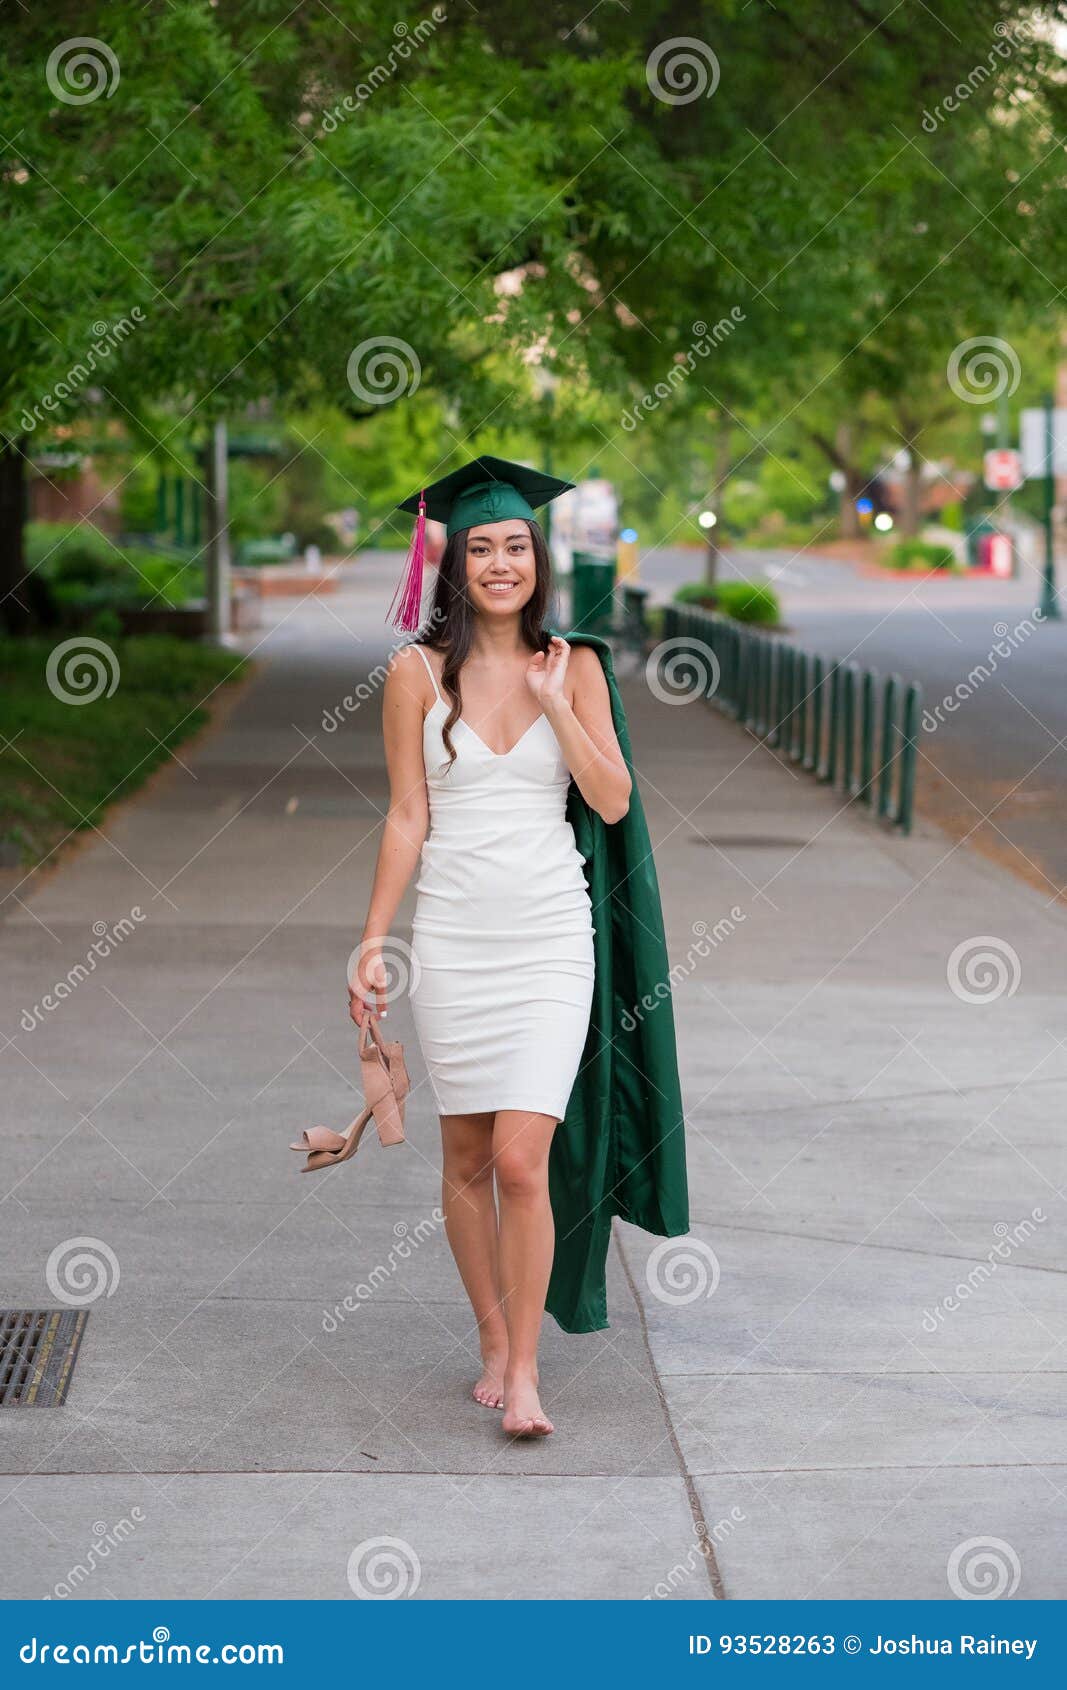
(620, 1149)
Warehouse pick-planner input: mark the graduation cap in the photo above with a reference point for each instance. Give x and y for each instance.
(485, 490)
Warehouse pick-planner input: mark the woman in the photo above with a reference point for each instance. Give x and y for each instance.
(487, 720)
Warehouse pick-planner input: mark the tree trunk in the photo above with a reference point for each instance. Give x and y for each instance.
(850, 520)
(15, 612)
(912, 511)
(720, 471)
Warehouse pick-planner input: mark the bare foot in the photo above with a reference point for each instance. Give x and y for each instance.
(523, 1415)
(489, 1390)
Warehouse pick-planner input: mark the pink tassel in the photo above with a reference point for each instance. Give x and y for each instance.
(409, 589)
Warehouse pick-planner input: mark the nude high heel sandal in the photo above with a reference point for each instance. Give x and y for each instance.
(385, 1086)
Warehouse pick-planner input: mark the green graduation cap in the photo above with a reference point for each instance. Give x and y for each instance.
(485, 490)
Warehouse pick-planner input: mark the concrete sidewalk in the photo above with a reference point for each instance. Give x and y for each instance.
(861, 1140)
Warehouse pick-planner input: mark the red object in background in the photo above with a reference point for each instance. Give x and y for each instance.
(994, 554)
(1002, 470)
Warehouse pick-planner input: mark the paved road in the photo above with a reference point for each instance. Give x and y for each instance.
(802, 1385)
(993, 758)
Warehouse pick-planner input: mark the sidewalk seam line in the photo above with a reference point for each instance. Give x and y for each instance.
(696, 1507)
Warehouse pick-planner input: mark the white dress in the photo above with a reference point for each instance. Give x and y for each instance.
(502, 982)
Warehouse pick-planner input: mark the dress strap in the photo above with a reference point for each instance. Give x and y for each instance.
(433, 677)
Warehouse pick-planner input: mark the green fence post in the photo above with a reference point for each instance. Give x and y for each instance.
(885, 762)
(866, 791)
(833, 727)
(908, 753)
(813, 760)
(798, 749)
(848, 729)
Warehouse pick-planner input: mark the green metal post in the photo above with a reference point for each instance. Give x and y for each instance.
(888, 747)
(1049, 603)
(813, 761)
(906, 802)
(848, 729)
(866, 791)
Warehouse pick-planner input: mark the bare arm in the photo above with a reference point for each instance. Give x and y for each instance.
(573, 693)
(406, 822)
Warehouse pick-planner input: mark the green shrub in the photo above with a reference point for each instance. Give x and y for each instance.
(84, 572)
(918, 555)
(744, 601)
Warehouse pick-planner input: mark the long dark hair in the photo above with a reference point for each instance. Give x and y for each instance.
(450, 628)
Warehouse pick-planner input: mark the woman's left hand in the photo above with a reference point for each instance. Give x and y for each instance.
(546, 671)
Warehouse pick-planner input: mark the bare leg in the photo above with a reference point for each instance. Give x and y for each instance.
(521, 1143)
(471, 1229)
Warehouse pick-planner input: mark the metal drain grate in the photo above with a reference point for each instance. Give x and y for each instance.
(38, 1349)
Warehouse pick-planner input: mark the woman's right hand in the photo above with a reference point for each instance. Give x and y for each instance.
(366, 990)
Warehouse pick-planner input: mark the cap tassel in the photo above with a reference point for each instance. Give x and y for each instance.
(409, 589)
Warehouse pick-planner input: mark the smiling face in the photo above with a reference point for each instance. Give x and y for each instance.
(501, 567)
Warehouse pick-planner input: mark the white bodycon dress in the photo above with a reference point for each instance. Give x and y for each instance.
(503, 936)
